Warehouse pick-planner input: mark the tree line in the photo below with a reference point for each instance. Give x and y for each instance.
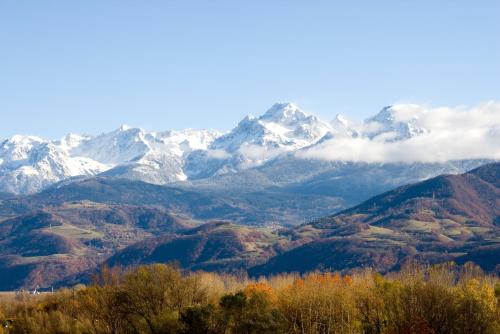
(161, 298)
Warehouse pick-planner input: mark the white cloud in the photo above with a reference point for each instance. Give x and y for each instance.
(218, 154)
(450, 134)
(259, 153)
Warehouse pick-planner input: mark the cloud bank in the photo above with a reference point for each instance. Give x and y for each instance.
(412, 133)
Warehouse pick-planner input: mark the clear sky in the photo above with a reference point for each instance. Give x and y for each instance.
(88, 66)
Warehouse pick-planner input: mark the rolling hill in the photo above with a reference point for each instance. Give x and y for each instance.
(444, 218)
(64, 232)
(220, 246)
(41, 247)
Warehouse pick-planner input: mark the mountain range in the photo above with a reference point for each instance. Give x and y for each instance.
(29, 164)
(252, 199)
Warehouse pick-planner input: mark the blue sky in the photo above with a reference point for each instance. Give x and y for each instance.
(89, 66)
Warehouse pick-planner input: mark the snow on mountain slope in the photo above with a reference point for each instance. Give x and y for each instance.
(121, 145)
(396, 134)
(343, 127)
(255, 140)
(395, 122)
(162, 160)
(28, 163)
(283, 126)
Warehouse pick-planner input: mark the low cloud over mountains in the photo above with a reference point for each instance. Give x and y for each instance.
(403, 133)
(413, 133)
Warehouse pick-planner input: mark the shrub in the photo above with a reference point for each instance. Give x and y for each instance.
(161, 299)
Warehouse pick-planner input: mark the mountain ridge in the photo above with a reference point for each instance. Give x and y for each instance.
(62, 234)
(29, 164)
(440, 219)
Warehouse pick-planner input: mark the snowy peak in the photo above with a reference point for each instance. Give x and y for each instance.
(123, 144)
(340, 120)
(284, 113)
(72, 140)
(399, 113)
(123, 127)
(396, 122)
(20, 148)
(343, 127)
(295, 121)
(283, 127)
(255, 140)
(296, 124)
(29, 163)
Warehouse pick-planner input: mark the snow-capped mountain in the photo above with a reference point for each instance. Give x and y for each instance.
(283, 126)
(395, 122)
(343, 127)
(255, 140)
(163, 156)
(29, 164)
